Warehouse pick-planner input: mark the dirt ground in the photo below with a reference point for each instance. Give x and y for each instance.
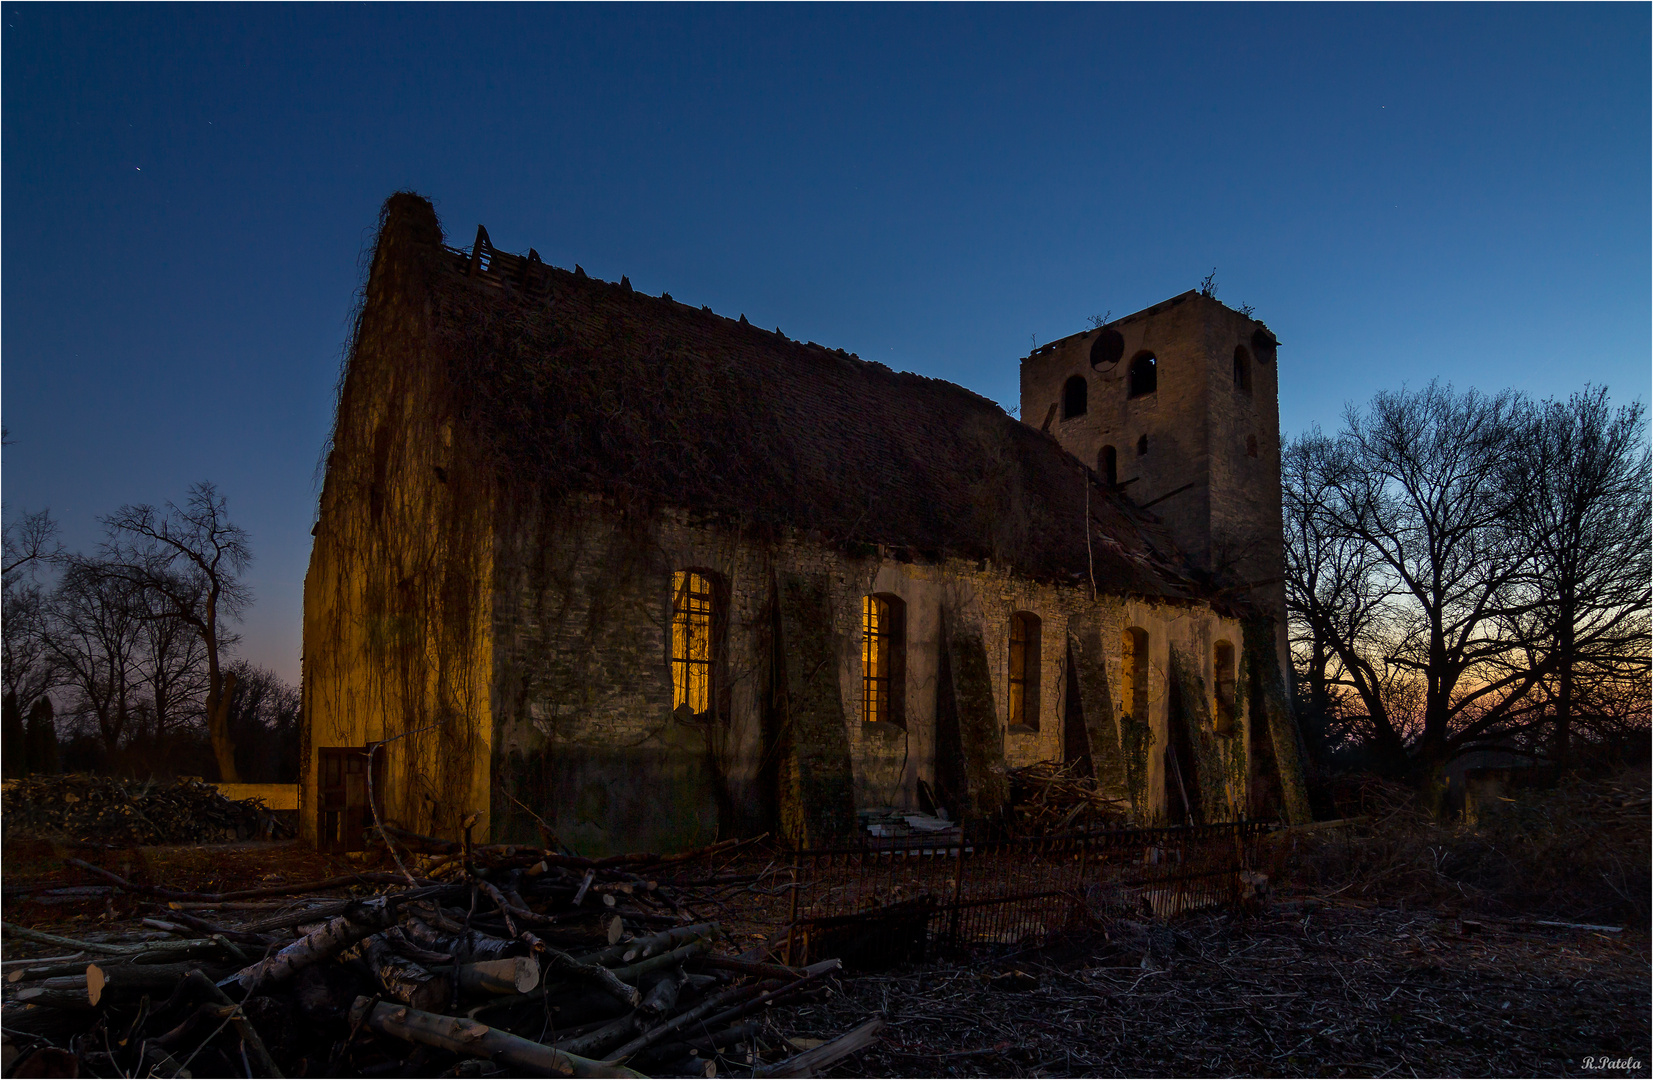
(1303, 989)
(31, 868)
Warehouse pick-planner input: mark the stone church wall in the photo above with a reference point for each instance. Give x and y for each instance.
(584, 735)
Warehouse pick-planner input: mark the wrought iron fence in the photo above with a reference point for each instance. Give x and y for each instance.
(883, 903)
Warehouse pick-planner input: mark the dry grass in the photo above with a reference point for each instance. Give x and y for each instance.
(1306, 990)
(1578, 852)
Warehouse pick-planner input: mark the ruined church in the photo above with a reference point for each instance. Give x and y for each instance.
(602, 566)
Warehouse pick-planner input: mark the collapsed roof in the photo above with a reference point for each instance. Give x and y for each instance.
(572, 384)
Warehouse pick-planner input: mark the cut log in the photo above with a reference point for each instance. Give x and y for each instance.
(70, 1000)
(24, 933)
(611, 1034)
(644, 947)
(634, 973)
(468, 1037)
(812, 974)
(327, 940)
(472, 945)
(811, 1062)
(662, 996)
(404, 980)
(747, 967)
(396, 939)
(710, 1007)
(560, 963)
(101, 980)
(512, 975)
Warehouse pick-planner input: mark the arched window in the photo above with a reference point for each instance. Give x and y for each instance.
(1108, 463)
(1242, 369)
(1142, 446)
(1075, 397)
(1024, 671)
(1222, 671)
(1144, 377)
(1265, 344)
(883, 659)
(1133, 690)
(694, 639)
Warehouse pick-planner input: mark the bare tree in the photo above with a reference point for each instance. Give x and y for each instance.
(30, 670)
(95, 638)
(1582, 471)
(31, 546)
(187, 561)
(1414, 526)
(172, 670)
(1335, 596)
(1466, 571)
(264, 713)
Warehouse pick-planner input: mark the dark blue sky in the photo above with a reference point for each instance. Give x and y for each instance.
(1401, 192)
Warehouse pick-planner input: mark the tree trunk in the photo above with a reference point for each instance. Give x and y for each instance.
(468, 1037)
(219, 689)
(12, 749)
(329, 939)
(1564, 690)
(40, 739)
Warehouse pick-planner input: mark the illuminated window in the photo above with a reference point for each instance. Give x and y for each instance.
(692, 609)
(883, 655)
(1024, 670)
(1222, 663)
(1134, 674)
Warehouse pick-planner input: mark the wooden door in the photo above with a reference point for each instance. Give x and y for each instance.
(343, 812)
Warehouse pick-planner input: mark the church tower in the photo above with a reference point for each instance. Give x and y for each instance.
(1177, 406)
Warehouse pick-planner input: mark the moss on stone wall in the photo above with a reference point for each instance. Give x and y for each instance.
(1261, 658)
(988, 790)
(1136, 743)
(816, 802)
(607, 800)
(1096, 704)
(1219, 760)
(396, 607)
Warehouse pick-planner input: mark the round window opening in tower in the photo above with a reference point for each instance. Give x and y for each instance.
(1075, 397)
(1242, 369)
(1144, 377)
(1107, 349)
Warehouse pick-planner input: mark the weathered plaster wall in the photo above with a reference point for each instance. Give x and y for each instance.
(396, 596)
(585, 738)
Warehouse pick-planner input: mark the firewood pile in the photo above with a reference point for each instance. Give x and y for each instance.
(1051, 797)
(107, 810)
(491, 960)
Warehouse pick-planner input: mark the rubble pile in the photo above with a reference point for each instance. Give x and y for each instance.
(107, 810)
(1052, 797)
(509, 959)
